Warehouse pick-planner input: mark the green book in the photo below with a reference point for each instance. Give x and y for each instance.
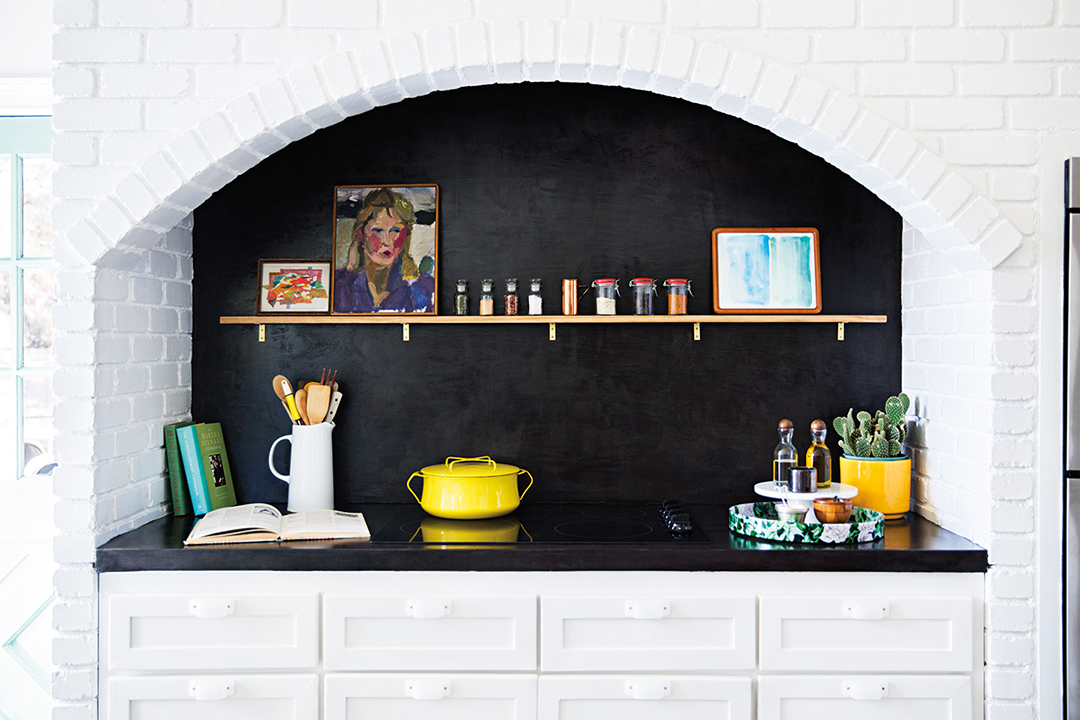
(206, 464)
(181, 496)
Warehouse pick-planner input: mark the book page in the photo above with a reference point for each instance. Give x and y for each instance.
(256, 516)
(315, 524)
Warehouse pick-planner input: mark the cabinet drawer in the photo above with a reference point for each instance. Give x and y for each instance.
(646, 697)
(212, 632)
(429, 633)
(267, 697)
(867, 697)
(430, 697)
(647, 633)
(831, 633)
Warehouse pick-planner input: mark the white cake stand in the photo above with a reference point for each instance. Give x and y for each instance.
(806, 500)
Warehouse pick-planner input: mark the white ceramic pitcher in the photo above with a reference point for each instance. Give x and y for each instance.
(311, 467)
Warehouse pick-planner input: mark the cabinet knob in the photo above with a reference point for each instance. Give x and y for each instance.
(866, 609)
(211, 688)
(641, 689)
(866, 688)
(433, 689)
(212, 607)
(648, 609)
(427, 608)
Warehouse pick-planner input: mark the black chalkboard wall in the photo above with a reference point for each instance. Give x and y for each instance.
(552, 181)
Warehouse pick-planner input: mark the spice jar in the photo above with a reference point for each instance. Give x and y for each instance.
(510, 298)
(606, 290)
(461, 298)
(536, 300)
(644, 289)
(677, 290)
(487, 300)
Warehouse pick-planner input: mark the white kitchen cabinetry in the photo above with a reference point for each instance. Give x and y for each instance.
(549, 645)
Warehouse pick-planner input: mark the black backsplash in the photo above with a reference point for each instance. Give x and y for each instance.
(552, 181)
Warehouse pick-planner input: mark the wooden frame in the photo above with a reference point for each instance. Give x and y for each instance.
(294, 287)
(766, 270)
(390, 264)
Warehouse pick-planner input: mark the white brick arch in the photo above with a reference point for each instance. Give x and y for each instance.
(912, 179)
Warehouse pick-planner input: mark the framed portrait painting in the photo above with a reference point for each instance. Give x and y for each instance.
(385, 249)
(766, 270)
(296, 287)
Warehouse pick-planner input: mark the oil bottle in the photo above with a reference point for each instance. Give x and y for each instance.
(818, 455)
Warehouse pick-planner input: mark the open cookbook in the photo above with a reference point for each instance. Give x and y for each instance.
(258, 522)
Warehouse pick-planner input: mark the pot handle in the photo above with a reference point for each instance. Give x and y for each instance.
(527, 486)
(450, 461)
(408, 485)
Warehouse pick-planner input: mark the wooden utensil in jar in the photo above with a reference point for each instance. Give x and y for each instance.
(318, 402)
(301, 405)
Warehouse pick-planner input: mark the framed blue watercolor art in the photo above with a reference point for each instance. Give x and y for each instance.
(766, 270)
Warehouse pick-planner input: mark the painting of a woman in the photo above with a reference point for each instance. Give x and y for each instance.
(375, 249)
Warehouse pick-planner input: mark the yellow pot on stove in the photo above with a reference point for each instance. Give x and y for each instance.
(470, 488)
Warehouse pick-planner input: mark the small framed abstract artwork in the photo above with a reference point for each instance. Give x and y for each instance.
(295, 287)
(766, 270)
(386, 244)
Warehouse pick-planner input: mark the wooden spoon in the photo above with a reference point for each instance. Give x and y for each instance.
(301, 404)
(284, 391)
(318, 402)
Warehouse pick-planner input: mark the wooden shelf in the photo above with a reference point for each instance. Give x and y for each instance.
(399, 319)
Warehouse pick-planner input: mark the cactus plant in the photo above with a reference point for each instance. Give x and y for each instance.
(880, 435)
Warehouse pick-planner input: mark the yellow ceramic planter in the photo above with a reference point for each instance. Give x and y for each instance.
(884, 483)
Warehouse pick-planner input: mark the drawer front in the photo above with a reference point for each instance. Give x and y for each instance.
(212, 632)
(430, 697)
(867, 697)
(222, 697)
(833, 633)
(644, 697)
(429, 633)
(647, 633)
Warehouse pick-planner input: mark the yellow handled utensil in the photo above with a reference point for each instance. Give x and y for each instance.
(284, 391)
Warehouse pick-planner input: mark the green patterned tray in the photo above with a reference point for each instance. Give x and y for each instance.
(759, 520)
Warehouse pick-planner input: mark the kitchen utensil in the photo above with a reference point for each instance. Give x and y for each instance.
(318, 403)
(470, 488)
(335, 400)
(311, 467)
(283, 390)
(790, 513)
(301, 397)
(832, 510)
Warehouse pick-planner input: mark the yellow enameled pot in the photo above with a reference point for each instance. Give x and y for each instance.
(884, 483)
(470, 488)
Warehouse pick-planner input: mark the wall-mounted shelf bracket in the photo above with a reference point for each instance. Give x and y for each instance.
(551, 331)
(840, 331)
(405, 332)
(697, 331)
(262, 333)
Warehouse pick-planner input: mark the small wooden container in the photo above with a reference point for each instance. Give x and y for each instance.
(832, 510)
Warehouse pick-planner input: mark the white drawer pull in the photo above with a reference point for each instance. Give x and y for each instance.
(866, 689)
(427, 608)
(866, 609)
(212, 607)
(428, 689)
(648, 689)
(211, 688)
(648, 609)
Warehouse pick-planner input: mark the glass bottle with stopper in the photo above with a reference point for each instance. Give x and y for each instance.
(785, 456)
(487, 300)
(461, 298)
(818, 455)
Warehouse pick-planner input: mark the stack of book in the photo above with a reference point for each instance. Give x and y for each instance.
(199, 471)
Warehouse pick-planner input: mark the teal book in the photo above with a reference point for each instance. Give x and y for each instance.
(206, 464)
(181, 496)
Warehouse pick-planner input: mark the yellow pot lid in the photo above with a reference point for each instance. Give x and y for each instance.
(457, 467)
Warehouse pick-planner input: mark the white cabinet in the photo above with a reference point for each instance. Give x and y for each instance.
(540, 645)
(648, 632)
(644, 697)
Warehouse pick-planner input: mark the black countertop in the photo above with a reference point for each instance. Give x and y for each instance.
(912, 544)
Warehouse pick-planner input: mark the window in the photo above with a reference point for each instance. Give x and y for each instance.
(26, 297)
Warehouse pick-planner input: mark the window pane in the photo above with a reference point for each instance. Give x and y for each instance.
(37, 207)
(37, 317)
(37, 425)
(5, 206)
(7, 431)
(7, 357)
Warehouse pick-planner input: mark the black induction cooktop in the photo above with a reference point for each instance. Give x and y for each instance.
(549, 523)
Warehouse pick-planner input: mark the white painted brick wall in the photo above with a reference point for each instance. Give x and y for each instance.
(941, 107)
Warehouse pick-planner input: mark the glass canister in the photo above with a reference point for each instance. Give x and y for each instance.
(606, 290)
(487, 300)
(536, 300)
(510, 298)
(677, 290)
(461, 298)
(644, 289)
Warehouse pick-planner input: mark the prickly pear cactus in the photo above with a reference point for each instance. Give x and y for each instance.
(880, 435)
